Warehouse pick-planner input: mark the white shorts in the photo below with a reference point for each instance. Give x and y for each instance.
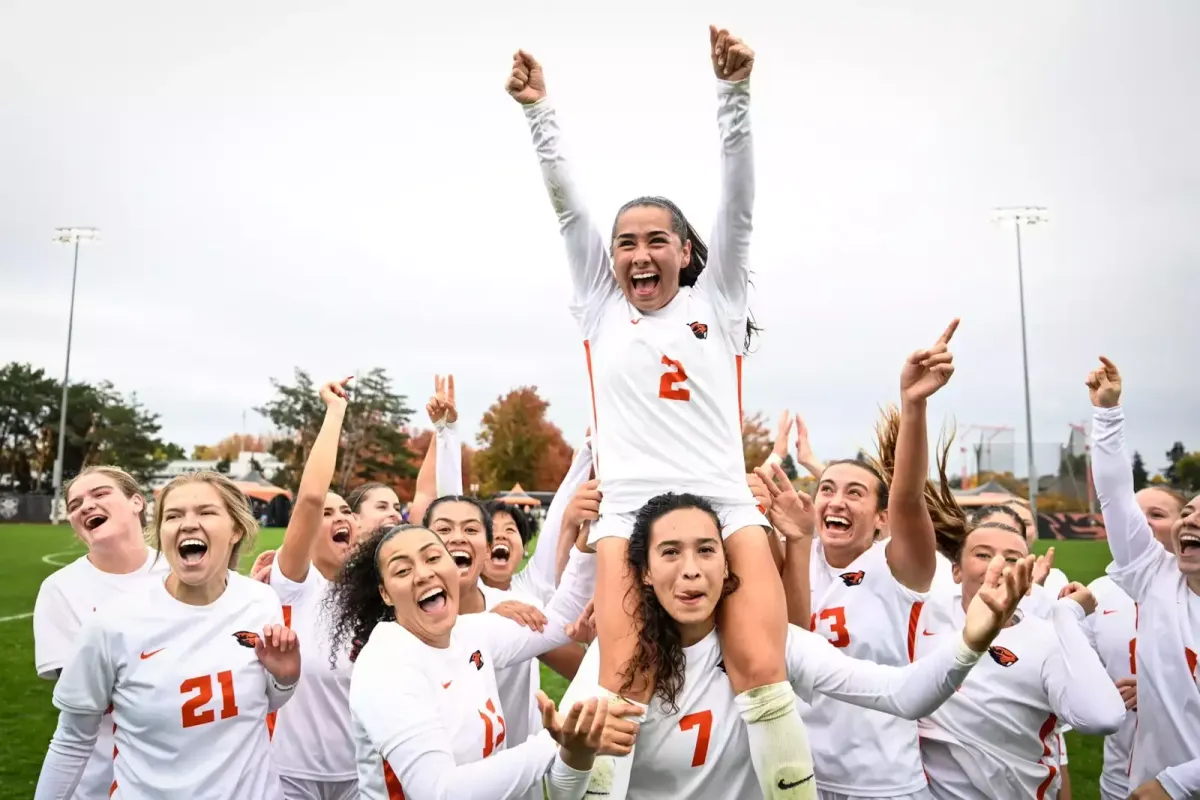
(923, 794)
(306, 789)
(733, 518)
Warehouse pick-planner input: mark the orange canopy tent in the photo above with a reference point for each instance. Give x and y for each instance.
(517, 496)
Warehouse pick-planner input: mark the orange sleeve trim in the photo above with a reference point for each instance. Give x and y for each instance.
(914, 617)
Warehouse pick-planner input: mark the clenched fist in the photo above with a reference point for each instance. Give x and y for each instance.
(526, 83)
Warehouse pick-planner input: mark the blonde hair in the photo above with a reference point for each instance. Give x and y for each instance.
(124, 481)
(1179, 497)
(950, 524)
(231, 496)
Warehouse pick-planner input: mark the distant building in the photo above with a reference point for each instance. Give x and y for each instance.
(239, 468)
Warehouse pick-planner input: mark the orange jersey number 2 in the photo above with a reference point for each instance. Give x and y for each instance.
(194, 712)
(668, 388)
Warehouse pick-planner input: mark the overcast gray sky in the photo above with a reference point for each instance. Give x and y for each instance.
(338, 185)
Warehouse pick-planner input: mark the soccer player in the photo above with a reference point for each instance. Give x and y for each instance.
(995, 737)
(1113, 631)
(107, 512)
(1165, 584)
(423, 695)
(693, 744)
(867, 592)
(665, 323)
(190, 666)
(313, 745)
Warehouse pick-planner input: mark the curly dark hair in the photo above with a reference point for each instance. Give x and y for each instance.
(659, 649)
(485, 516)
(353, 603)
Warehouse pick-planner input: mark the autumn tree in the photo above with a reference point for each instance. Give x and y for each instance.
(519, 445)
(231, 447)
(757, 440)
(1187, 471)
(375, 443)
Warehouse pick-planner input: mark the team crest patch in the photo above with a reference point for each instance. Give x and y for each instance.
(246, 638)
(477, 659)
(852, 578)
(721, 666)
(1002, 655)
(699, 329)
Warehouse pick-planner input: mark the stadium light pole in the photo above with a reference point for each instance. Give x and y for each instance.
(71, 236)
(1021, 216)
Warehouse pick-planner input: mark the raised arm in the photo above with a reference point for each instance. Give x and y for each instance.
(912, 551)
(293, 557)
(511, 643)
(540, 575)
(1129, 535)
(587, 247)
(1080, 691)
(449, 446)
(442, 413)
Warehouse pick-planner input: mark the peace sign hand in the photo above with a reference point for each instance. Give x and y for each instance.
(441, 407)
(792, 513)
(926, 371)
(732, 60)
(1104, 385)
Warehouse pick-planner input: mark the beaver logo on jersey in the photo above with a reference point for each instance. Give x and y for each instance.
(721, 666)
(477, 659)
(246, 638)
(1002, 655)
(852, 578)
(700, 329)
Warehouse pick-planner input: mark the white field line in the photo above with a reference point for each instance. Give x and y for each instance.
(16, 617)
(53, 559)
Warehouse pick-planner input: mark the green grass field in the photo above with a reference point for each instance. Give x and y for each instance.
(28, 553)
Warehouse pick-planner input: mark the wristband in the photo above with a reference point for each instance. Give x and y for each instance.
(279, 687)
(963, 653)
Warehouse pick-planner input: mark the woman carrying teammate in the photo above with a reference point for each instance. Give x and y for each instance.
(190, 666)
(995, 737)
(867, 592)
(107, 512)
(694, 745)
(313, 745)
(423, 696)
(1165, 584)
(1112, 631)
(665, 322)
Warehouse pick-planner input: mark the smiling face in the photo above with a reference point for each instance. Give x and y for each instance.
(419, 580)
(1162, 510)
(378, 509)
(461, 527)
(197, 533)
(648, 254)
(1185, 539)
(980, 546)
(848, 511)
(104, 507)
(687, 566)
(507, 551)
(338, 531)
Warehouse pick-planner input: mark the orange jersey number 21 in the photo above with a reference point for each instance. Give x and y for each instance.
(703, 721)
(668, 388)
(194, 712)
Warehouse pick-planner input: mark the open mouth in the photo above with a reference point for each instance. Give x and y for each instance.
(462, 559)
(644, 283)
(834, 522)
(432, 601)
(93, 521)
(690, 598)
(1189, 542)
(500, 554)
(191, 551)
(341, 534)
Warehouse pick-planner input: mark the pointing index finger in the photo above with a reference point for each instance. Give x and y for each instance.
(948, 334)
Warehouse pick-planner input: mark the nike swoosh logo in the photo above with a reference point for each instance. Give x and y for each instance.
(1108, 611)
(146, 655)
(783, 786)
(631, 322)
(928, 633)
(446, 685)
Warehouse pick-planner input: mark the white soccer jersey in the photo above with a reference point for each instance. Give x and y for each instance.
(995, 738)
(66, 599)
(665, 385)
(1112, 630)
(943, 576)
(1168, 626)
(518, 684)
(868, 614)
(1055, 581)
(312, 734)
(189, 696)
(702, 750)
(424, 733)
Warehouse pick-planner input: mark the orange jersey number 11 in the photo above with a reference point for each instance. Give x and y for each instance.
(668, 388)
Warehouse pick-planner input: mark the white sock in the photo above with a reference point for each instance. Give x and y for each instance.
(611, 774)
(778, 742)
